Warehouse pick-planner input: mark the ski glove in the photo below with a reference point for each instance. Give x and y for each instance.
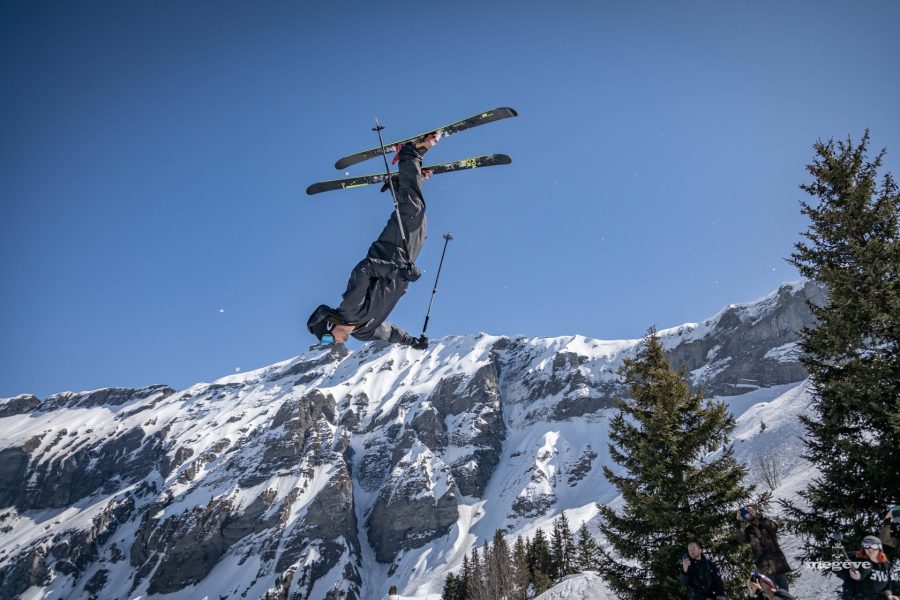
(411, 272)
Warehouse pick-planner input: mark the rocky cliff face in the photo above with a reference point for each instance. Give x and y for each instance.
(336, 474)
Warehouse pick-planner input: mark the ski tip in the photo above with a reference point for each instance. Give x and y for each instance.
(512, 112)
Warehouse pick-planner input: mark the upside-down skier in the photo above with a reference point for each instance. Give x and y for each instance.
(381, 278)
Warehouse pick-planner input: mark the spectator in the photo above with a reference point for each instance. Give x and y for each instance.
(700, 576)
(762, 535)
(872, 580)
(761, 587)
(890, 536)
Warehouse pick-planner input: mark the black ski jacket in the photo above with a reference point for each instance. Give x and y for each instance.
(702, 580)
(872, 585)
(381, 278)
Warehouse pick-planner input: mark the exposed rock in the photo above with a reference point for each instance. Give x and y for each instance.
(482, 429)
(167, 464)
(294, 434)
(306, 367)
(742, 339)
(582, 466)
(590, 399)
(430, 428)
(532, 505)
(190, 544)
(404, 521)
(18, 405)
(96, 582)
(330, 524)
(13, 473)
(76, 550)
(60, 482)
(26, 570)
(106, 396)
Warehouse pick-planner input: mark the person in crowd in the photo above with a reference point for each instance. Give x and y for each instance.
(890, 535)
(760, 587)
(872, 579)
(700, 575)
(762, 535)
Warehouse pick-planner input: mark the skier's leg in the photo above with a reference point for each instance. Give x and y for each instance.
(388, 333)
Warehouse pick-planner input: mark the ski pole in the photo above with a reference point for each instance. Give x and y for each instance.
(378, 127)
(447, 238)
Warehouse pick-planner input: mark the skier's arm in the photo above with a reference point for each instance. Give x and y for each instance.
(409, 176)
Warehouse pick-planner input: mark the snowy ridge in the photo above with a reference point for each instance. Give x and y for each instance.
(345, 471)
(747, 312)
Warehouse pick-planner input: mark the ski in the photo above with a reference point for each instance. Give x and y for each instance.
(458, 165)
(473, 121)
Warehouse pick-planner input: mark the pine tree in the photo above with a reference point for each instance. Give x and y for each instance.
(489, 572)
(464, 576)
(561, 548)
(586, 550)
(521, 576)
(475, 587)
(852, 353)
(500, 572)
(680, 483)
(540, 561)
(451, 588)
(541, 582)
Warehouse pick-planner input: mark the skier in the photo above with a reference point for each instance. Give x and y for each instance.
(381, 278)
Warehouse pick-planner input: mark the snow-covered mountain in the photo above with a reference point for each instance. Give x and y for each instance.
(338, 474)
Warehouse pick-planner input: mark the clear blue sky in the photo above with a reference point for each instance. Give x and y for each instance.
(154, 157)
